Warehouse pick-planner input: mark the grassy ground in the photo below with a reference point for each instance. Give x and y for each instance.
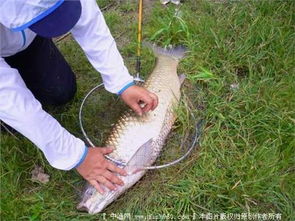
(240, 68)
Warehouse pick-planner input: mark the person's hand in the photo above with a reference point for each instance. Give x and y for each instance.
(97, 170)
(135, 96)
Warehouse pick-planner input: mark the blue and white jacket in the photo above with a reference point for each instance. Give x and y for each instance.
(18, 106)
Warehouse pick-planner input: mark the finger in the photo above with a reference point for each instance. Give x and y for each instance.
(106, 182)
(148, 103)
(155, 100)
(96, 186)
(136, 108)
(116, 169)
(113, 178)
(147, 107)
(106, 150)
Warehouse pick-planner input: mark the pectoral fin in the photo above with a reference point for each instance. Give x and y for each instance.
(141, 157)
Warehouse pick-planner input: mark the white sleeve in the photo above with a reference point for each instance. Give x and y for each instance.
(93, 35)
(20, 110)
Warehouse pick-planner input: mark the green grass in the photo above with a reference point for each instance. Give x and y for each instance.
(246, 159)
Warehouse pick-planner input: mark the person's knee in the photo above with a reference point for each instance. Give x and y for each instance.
(58, 94)
(64, 95)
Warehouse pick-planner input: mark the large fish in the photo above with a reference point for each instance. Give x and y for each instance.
(138, 140)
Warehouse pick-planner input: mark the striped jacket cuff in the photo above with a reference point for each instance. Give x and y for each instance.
(82, 158)
(126, 87)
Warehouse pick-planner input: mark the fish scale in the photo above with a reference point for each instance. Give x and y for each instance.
(138, 140)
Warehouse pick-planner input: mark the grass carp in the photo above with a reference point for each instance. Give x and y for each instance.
(138, 140)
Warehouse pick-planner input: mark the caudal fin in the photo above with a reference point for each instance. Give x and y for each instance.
(177, 52)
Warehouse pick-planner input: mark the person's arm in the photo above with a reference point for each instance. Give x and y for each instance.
(20, 110)
(94, 37)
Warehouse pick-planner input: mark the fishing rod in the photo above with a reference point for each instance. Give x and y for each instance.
(139, 43)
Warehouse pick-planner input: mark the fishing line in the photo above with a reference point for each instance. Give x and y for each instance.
(82, 128)
(119, 163)
(195, 143)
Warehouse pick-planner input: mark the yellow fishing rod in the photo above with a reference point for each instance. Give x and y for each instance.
(139, 40)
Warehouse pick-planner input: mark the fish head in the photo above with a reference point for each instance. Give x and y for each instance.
(94, 202)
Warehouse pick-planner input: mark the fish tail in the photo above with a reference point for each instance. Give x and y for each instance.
(177, 52)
